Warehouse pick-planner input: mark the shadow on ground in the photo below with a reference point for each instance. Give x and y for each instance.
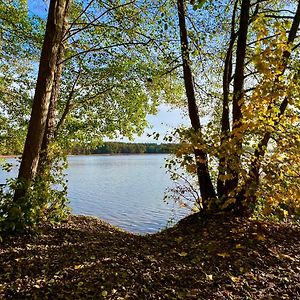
(217, 258)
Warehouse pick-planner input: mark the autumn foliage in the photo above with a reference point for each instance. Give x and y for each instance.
(251, 143)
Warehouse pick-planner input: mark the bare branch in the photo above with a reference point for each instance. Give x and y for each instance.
(279, 17)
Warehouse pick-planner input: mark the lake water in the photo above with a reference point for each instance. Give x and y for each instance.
(125, 190)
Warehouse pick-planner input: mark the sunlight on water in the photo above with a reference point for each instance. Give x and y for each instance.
(125, 190)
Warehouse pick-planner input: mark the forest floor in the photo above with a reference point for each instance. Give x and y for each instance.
(216, 258)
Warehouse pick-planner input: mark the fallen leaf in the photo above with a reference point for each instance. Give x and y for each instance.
(209, 277)
(78, 267)
(260, 237)
(224, 254)
(234, 279)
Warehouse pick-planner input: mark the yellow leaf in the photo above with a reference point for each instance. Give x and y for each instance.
(182, 254)
(234, 279)
(78, 267)
(104, 293)
(209, 277)
(224, 255)
(285, 213)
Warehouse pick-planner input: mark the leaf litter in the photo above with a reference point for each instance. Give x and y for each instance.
(221, 257)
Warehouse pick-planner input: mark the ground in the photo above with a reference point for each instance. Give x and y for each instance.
(221, 257)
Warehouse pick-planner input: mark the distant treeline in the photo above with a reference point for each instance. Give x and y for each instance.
(127, 148)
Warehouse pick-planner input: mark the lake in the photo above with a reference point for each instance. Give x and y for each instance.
(124, 190)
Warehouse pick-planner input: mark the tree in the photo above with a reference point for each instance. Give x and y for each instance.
(53, 37)
(205, 183)
(92, 73)
(251, 112)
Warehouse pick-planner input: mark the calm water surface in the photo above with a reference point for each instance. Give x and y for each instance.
(125, 190)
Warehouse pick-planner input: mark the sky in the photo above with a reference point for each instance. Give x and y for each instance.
(39, 7)
(163, 123)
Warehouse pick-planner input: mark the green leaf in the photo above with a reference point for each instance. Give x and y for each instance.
(104, 293)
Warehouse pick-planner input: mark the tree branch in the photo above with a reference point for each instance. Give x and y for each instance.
(105, 48)
(96, 19)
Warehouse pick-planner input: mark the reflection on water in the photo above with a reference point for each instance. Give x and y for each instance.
(125, 190)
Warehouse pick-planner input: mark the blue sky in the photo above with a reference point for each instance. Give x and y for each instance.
(39, 7)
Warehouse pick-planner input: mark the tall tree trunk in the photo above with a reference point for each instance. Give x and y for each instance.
(206, 187)
(251, 185)
(41, 101)
(44, 160)
(225, 121)
(237, 101)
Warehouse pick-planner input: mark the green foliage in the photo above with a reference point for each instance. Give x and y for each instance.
(45, 200)
(20, 36)
(115, 72)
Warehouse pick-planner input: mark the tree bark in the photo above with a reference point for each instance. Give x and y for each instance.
(206, 187)
(237, 101)
(41, 100)
(225, 121)
(44, 160)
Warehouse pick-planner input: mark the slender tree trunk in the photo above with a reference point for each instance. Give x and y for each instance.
(68, 107)
(225, 122)
(41, 101)
(237, 101)
(206, 187)
(44, 160)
